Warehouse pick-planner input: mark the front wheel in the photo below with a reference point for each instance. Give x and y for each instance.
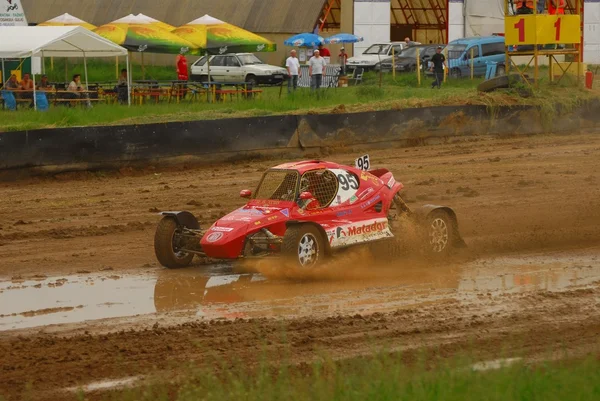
(303, 246)
(455, 73)
(167, 241)
(440, 233)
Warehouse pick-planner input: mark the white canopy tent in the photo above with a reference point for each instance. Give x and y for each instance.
(58, 41)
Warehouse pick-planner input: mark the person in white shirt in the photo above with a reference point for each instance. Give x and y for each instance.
(293, 68)
(316, 70)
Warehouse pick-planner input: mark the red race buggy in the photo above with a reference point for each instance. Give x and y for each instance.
(306, 211)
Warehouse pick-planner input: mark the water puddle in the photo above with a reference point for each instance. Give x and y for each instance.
(106, 385)
(216, 293)
(495, 364)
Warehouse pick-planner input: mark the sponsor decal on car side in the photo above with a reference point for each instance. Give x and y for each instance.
(365, 194)
(214, 237)
(222, 229)
(370, 202)
(370, 178)
(362, 231)
(343, 213)
(391, 182)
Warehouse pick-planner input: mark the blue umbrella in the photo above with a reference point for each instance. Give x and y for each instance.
(304, 40)
(343, 38)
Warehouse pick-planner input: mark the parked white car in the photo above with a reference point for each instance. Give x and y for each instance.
(376, 53)
(239, 67)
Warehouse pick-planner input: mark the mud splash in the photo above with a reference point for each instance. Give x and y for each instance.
(221, 294)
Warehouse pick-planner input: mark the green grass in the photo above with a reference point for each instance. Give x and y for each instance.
(372, 94)
(383, 378)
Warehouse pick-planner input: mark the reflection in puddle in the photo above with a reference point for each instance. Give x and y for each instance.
(199, 292)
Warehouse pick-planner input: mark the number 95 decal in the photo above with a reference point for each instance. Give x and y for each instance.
(348, 181)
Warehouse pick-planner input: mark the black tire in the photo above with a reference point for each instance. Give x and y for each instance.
(251, 81)
(203, 79)
(455, 73)
(500, 82)
(296, 241)
(164, 247)
(439, 234)
(500, 71)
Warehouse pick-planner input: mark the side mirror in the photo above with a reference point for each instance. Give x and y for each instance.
(306, 195)
(245, 193)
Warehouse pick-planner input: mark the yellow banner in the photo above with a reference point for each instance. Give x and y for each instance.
(542, 29)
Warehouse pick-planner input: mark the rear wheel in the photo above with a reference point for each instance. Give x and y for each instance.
(167, 241)
(303, 246)
(455, 73)
(440, 233)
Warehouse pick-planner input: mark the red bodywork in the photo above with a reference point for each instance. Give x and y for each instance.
(354, 216)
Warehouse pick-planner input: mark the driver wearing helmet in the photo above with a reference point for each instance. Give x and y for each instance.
(311, 203)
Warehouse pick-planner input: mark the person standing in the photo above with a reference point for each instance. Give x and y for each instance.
(316, 70)
(181, 67)
(524, 7)
(293, 68)
(182, 74)
(343, 56)
(556, 7)
(438, 61)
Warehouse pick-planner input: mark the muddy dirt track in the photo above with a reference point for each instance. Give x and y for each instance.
(82, 299)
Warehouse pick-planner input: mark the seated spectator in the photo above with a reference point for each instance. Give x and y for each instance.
(26, 83)
(44, 85)
(12, 83)
(76, 90)
(26, 86)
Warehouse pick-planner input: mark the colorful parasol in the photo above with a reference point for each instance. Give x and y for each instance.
(343, 38)
(141, 34)
(217, 37)
(304, 40)
(157, 23)
(68, 20)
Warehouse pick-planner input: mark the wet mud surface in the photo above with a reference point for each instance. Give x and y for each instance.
(84, 303)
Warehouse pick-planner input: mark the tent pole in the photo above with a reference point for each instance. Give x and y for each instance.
(85, 71)
(3, 81)
(34, 97)
(128, 80)
(117, 67)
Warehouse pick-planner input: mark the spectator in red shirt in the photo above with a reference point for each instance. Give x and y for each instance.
(323, 51)
(556, 7)
(181, 66)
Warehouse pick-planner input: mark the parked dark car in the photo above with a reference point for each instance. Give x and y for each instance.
(406, 61)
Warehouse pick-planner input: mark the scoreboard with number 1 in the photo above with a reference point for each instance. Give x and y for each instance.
(542, 29)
